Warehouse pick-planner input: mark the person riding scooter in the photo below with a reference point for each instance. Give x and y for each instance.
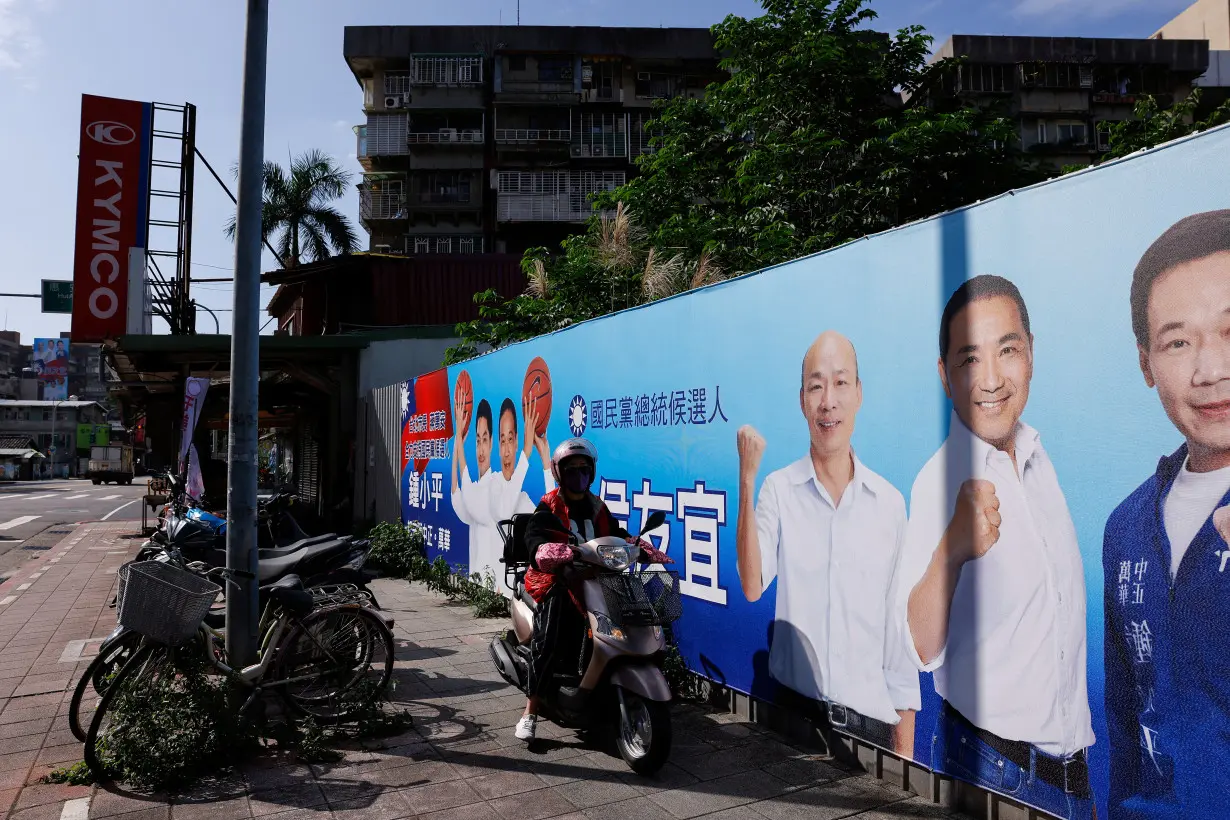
(567, 513)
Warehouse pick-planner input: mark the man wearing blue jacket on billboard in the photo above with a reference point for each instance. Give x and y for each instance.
(996, 588)
(1165, 553)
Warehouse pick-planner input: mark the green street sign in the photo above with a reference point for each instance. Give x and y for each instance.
(57, 296)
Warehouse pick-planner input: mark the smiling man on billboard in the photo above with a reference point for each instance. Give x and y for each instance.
(1165, 550)
(991, 565)
(829, 531)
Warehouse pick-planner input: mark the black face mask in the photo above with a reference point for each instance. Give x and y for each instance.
(576, 479)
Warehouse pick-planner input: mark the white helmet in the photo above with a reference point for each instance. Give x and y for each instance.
(573, 447)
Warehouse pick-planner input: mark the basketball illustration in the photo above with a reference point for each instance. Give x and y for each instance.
(463, 395)
(537, 389)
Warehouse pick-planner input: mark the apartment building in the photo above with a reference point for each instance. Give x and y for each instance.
(492, 139)
(1206, 20)
(1061, 89)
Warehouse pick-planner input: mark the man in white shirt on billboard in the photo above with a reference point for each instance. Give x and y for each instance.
(507, 496)
(472, 499)
(829, 531)
(993, 588)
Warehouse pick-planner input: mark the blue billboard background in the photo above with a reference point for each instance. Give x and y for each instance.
(730, 355)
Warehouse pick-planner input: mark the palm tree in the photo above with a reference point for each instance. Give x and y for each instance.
(297, 208)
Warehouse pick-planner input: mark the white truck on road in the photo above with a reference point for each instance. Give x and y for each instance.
(112, 462)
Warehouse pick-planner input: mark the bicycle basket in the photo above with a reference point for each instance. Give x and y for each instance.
(163, 602)
(648, 598)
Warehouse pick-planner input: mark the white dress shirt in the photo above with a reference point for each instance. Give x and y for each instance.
(834, 635)
(472, 504)
(1014, 663)
(507, 496)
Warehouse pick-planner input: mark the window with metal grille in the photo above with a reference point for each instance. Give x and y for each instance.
(987, 78)
(446, 70)
(396, 83)
(599, 135)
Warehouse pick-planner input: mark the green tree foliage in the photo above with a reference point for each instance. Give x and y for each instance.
(1152, 125)
(824, 132)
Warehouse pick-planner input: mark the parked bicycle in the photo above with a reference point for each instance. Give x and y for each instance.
(324, 651)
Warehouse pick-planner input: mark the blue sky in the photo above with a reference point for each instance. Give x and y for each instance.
(52, 51)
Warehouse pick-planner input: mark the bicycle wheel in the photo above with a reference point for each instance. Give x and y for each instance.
(129, 687)
(94, 681)
(334, 663)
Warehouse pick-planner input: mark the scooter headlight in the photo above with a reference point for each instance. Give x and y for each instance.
(605, 627)
(615, 557)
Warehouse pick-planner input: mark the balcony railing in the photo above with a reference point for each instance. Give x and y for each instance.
(513, 136)
(379, 205)
(447, 136)
(545, 208)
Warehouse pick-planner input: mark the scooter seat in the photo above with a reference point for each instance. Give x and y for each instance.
(276, 567)
(526, 598)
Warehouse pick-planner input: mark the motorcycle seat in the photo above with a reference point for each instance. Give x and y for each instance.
(279, 566)
(280, 552)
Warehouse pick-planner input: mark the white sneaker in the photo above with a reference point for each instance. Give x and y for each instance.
(526, 727)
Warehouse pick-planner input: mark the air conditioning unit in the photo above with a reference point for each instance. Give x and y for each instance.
(449, 134)
(598, 150)
(472, 135)
(393, 101)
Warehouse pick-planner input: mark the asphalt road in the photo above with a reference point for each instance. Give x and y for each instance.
(30, 513)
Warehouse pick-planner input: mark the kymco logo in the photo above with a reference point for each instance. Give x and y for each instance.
(110, 133)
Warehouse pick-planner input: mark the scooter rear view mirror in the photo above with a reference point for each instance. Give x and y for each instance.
(656, 519)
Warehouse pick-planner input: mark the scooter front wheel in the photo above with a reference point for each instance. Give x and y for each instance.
(644, 735)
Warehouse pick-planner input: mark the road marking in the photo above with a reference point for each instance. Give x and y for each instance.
(120, 507)
(8, 599)
(18, 521)
(75, 497)
(37, 497)
(78, 809)
(23, 587)
(110, 497)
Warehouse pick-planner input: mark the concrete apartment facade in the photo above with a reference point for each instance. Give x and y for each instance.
(492, 139)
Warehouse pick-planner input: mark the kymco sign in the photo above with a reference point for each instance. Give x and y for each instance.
(112, 198)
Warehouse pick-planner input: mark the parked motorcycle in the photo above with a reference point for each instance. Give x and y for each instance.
(619, 680)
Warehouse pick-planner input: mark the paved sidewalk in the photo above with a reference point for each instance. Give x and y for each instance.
(459, 761)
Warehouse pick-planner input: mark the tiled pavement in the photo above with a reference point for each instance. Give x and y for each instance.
(459, 761)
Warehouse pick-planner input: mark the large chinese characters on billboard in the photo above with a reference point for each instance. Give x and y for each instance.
(963, 488)
(112, 203)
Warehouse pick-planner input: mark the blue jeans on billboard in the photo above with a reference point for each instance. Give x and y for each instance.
(957, 751)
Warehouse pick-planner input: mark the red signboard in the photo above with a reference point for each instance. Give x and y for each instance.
(426, 419)
(112, 202)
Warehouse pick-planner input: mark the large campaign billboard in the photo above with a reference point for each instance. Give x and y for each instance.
(50, 359)
(964, 485)
(112, 214)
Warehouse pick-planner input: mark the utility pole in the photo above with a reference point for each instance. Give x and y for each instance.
(241, 555)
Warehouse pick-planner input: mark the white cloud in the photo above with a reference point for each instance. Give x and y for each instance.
(19, 43)
(1095, 9)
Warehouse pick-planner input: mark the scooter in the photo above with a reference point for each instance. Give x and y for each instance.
(619, 680)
